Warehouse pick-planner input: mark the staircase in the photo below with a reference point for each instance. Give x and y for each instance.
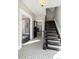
(52, 38)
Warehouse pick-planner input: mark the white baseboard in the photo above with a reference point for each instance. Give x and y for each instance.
(30, 42)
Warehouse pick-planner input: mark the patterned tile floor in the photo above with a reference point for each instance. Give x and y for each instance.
(35, 51)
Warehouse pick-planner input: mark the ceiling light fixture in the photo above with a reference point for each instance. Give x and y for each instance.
(43, 2)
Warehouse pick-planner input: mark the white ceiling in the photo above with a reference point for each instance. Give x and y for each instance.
(35, 7)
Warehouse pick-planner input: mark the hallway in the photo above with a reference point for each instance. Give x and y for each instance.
(38, 39)
(35, 51)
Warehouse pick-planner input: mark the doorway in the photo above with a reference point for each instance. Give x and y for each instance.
(25, 29)
(37, 29)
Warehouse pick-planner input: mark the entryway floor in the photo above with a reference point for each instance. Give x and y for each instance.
(35, 51)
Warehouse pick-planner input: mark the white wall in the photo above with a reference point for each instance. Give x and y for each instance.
(53, 3)
(24, 10)
(50, 13)
(58, 18)
(39, 25)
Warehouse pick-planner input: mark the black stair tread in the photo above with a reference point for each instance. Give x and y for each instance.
(50, 27)
(51, 31)
(53, 39)
(54, 43)
(53, 48)
(48, 32)
(52, 34)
